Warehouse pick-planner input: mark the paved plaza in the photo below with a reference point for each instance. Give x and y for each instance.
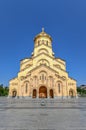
(42, 114)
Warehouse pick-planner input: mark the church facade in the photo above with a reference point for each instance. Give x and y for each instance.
(42, 75)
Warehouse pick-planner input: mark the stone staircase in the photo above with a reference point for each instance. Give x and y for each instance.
(14, 103)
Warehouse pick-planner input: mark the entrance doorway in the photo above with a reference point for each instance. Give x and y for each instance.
(42, 92)
(14, 93)
(51, 93)
(71, 93)
(34, 93)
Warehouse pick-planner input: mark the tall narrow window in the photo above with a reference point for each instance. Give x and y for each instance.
(59, 89)
(47, 43)
(42, 76)
(42, 41)
(38, 43)
(26, 89)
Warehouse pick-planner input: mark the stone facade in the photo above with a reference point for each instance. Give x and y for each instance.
(42, 75)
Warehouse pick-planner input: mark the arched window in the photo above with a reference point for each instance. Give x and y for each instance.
(40, 77)
(38, 42)
(43, 76)
(59, 88)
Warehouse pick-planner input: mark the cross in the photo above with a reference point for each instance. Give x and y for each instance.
(42, 29)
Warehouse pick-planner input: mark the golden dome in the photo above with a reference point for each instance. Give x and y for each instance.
(43, 34)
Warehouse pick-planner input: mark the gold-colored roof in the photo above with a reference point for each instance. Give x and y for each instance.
(43, 34)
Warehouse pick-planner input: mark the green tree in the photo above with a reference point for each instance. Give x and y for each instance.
(4, 90)
(81, 91)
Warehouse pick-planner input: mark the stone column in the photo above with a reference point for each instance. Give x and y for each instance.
(37, 92)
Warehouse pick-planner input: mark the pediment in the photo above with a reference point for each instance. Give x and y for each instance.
(43, 68)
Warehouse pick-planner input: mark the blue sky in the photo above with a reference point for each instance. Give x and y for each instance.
(21, 20)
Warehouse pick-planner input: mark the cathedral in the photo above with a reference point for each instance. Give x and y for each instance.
(42, 75)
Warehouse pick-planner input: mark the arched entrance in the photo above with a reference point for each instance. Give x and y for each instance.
(42, 92)
(71, 93)
(34, 93)
(51, 93)
(14, 93)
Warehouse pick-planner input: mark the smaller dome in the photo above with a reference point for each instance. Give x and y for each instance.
(43, 34)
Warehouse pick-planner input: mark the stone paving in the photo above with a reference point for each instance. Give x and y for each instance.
(42, 114)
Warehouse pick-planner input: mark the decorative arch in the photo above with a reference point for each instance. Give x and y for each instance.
(43, 61)
(50, 77)
(43, 71)
(43, 50)
(22, 77)
(42, 75)
(71, 93)
(57, 66)
(64, 78)
(28, 65)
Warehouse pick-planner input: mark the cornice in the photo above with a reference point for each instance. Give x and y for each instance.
(44, 54)
(42, 66)
(56, 59)
(13, 79)
(60, 59)
(72, 79)
(48, 56)
(46, 67)
(29, 59)
(59, 68)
